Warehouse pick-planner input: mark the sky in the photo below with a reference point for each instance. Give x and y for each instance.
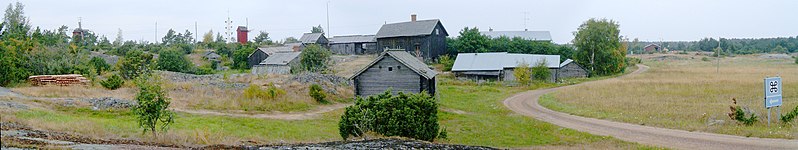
(647, 20)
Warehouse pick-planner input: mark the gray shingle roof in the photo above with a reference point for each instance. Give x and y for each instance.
(353, 39)
(405, 58)
(272, 50)
(501, 60)
(310, 37)
(420, 27)
(528, 35)
(281, 58)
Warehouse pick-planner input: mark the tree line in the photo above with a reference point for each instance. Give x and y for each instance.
(472, 41)
(727, 45)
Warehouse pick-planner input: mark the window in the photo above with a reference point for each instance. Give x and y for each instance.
(380, 67)
(390, 68)
(398, 67)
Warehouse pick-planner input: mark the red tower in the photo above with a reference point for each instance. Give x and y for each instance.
(242, 34)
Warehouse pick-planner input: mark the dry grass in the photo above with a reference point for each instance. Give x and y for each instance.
(76, 91)
(683, 92)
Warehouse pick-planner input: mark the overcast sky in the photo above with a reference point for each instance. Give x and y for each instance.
(648, 20)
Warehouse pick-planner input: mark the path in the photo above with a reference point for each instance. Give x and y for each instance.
(526, 103)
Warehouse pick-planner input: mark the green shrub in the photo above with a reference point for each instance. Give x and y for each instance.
(171, 59)
(113, 82)
(270, 93)
(153, 104)
(522, 73)
(314, 58)
(134, 64)
(704, 59)
(447, 62)
(406, 115)
(790, 115)
(99, 65)
(317, 93)
(541, 71)
(739, 114)
(796, 60)
(631, 61)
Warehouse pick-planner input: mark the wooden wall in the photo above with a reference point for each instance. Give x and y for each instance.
(377, 78)
(256, 58)
(572, 70)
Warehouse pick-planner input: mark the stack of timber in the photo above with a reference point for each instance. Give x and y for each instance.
(62, 80)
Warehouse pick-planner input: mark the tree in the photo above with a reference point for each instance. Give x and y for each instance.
(14, 44)
(169, 38)
(471, 41)
(207, 38)
(153, 104)
(171, 59)
(134, 64)
(314, 58)
(522, 73)
(240, 57)
(263, 38)
(317, 29)
(99, 65)
(290, 40)
(598, 46)
(119, 40)
(406, 115)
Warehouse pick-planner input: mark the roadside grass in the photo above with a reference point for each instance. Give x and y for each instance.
(687, 94)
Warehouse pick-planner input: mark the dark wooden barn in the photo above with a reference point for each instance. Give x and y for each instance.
(354, 45)
(315, 38)
(262, 53)
(422, 38)
(396, 70)
(571, 69)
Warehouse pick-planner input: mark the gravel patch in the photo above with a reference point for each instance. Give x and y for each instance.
(327, 82)
(775, 56)
(13, 105)
(213, 80)
(104, 103)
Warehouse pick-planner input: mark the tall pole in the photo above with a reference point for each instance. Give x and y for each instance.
(328, 18)
(156, 32)
(196, 33)
(717, 69)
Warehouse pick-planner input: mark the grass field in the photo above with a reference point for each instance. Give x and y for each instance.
(472, 115)
(687, 93)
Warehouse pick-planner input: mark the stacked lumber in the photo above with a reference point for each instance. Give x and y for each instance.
(62, 80)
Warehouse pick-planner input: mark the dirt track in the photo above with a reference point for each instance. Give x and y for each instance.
(280, 116)
(526, 103)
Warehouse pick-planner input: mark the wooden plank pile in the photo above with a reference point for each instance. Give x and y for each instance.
(62, 80)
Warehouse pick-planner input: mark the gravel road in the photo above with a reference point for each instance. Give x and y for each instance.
(526, 103)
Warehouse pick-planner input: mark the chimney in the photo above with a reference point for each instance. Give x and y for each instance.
(526, 29)
(413, 17)
(490, 29)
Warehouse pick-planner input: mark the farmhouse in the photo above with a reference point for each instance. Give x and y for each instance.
(394, 69)
(500, 65)
(277, 63)
(570, 69)
(262, 53)
(354, 45)
(650, 48)
(527, 35)
(421, 38)
(314, 38)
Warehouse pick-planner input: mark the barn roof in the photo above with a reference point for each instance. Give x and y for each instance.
(566, 62)
(353, 39)
(405, 58)
(528, 35)
(311, 37)
(500, 60)
(411, 28)
(281, 58)
(272, 50)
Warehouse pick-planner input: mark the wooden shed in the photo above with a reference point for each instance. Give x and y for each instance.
(277, 63)
(315, 38)
(354, 45)
(262, 53)
(421, 38)
(397, 70)
(571, 69)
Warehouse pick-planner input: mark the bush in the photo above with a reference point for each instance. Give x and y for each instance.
(704, 59)
(406, 115)
(270, 93)
(314, 58)
(317, 93)
(790, 115)
(113, 82)
(541, 71)
(153, 104)
(134, 64)
(447, 62)
(99, 65)
(631, 61)
(240, 57)
(522, 73)
(174, 60)
(739, 114)
(796, 60)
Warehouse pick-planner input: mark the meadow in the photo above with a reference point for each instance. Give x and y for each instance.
(687, 92)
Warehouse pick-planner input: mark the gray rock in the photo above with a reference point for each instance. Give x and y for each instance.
(327, 82)
(110, 103)
(13, 105)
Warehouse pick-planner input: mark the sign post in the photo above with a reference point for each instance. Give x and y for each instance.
(772, 94)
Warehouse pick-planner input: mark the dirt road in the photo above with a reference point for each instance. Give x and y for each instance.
(526, 103)
(280, 116)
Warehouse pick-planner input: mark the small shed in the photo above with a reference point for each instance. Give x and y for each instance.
(314, 38)
(354, 45)
(650, 48)
(421, 38)
(571, 69)
(262, 53)
(211, 56)
(277, 63)
(397, 70)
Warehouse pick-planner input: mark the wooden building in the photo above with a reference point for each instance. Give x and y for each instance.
(354, 45)
(397, 70)
(421, 38)
(500, 66)
(241, 34)
(277, 63)
(571, 69)
(262, 53)
(651, 48)
(314, 38)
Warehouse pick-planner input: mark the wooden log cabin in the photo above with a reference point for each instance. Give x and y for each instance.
(397, 70)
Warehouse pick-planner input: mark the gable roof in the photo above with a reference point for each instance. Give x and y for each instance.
(311, 37)
(281, 58)
(353, 39)
(500, 60)
(566, 62)
(528, 35)
(272, 50)
(411, 28)
(405, 58)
